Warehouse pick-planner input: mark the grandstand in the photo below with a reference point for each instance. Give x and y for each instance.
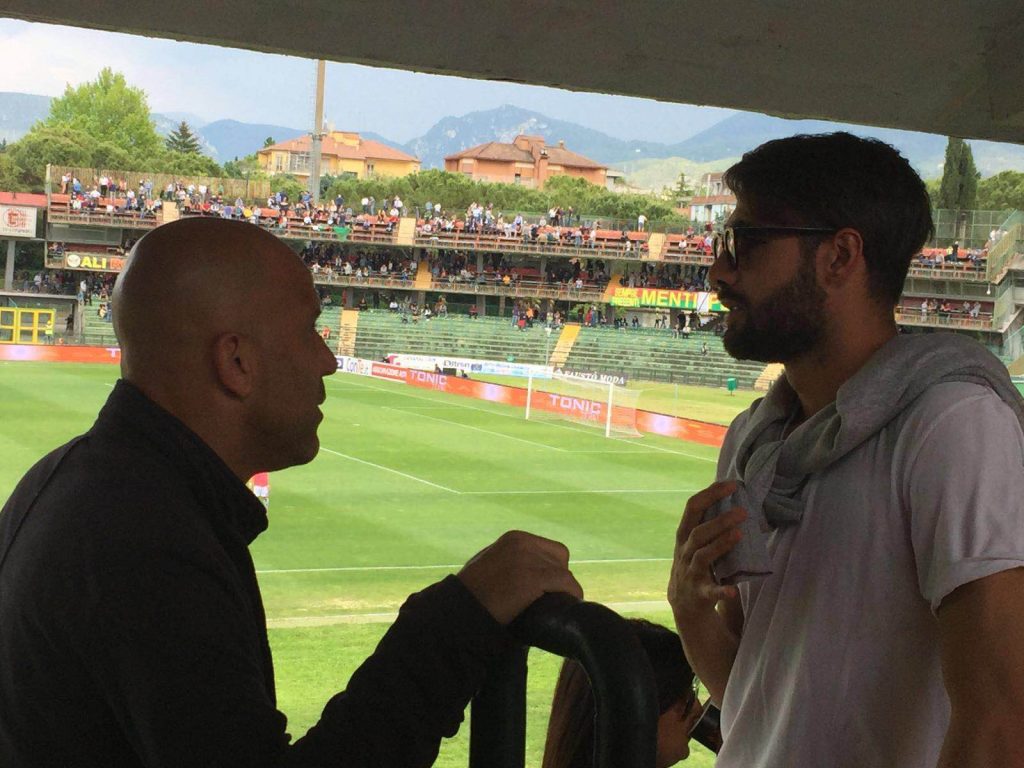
(507, 262)
(383, 333)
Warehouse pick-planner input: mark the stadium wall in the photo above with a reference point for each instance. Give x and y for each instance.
(58, 353)
(646, 421)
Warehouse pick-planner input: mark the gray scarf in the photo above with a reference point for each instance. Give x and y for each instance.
(773, 469)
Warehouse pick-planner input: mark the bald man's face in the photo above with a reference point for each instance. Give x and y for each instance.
(283, 413)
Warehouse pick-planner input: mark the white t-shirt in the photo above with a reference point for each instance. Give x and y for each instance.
(839, 661)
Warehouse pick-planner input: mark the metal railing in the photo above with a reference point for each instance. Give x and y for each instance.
(97, 218)
(963, 322)
(499, 243)
(620, 674)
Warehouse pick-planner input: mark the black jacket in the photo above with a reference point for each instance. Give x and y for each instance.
(132, 630)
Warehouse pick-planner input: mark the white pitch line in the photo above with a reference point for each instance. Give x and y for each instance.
(475, 429)
(576, 490)
(448, 566)
(287, 622)
(393, 471)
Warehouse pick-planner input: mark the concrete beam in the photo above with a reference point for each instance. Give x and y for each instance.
(952, 68)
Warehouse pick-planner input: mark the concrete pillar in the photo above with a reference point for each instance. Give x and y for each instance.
(421, 298)
(9, 268)
(350, 298)
(543, 267)
(501, 306)
(482, 306)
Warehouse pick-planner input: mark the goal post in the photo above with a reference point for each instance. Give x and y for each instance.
(591, 402)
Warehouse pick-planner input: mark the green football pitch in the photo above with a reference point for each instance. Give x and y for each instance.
(409, 484)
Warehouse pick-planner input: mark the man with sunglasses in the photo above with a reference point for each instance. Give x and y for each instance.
(851, 591)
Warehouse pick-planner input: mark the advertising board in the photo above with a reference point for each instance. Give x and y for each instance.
(17, 221)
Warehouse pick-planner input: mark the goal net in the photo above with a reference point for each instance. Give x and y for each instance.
(592, 403)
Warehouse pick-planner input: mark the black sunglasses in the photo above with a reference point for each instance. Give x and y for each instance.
(724, 243)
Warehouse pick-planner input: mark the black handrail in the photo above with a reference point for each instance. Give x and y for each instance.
(620, 674)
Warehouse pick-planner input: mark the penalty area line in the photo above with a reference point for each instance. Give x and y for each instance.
(393, 471)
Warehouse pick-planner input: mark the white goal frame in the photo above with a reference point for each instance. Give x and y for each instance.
(609, 394)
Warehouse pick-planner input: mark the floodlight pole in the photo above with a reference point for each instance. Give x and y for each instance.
(318, 133)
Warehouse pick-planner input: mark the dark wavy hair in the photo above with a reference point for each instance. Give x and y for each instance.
(840, 180)
(570, 738)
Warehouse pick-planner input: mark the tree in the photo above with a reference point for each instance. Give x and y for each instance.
(1001, 192)
(681, 193)
(959, 188)
(60, 145)
(108, 110)
(269, 141)
(247, 167)
(182, 140)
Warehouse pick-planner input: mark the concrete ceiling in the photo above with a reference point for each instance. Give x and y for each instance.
(953, 68)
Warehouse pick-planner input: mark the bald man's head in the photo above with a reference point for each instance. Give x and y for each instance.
(187, 281)
(216, 321)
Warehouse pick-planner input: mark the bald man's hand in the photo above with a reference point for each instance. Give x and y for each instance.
(515, 570)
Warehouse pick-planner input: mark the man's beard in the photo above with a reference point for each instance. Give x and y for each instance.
(782, 327)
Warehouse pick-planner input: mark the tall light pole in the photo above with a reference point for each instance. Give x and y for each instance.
(318, 133)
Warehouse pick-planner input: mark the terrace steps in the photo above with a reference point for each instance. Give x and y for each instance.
(656, 247)
(771, 372)
(423, 276)
(406, 234)
(347, 331)
(564, 344)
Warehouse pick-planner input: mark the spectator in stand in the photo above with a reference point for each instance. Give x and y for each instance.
(641, 223)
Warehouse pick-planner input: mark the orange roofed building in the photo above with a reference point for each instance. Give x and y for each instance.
(527, 161)
(342, 153)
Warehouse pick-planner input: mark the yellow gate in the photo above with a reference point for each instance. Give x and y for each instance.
(26, 326)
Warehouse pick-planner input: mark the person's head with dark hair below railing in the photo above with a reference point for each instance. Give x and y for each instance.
(570, 737)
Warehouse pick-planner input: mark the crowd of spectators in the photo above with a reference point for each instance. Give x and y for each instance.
(110, 195)
(330, 260)
(952, 256)
(685, 277)
(950, 309)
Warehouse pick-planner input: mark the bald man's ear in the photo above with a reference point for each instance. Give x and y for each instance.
(234, 361)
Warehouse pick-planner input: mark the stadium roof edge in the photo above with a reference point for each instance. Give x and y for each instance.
(952, 70)
(28, 199)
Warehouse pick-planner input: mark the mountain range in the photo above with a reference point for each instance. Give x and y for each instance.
(646, 165)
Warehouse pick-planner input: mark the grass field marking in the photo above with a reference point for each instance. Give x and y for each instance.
(638, 452)
(393, 471)
(577, 490)
(448, 566)
(534, 443)
(286, 622)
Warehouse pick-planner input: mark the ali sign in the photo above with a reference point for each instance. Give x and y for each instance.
(17, 221)
(93, 262)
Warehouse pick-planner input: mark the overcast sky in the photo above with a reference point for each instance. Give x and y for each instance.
(215, 83)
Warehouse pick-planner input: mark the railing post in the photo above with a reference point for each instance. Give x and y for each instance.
(620, 675)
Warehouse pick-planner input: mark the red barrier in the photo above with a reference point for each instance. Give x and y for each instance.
(58, 353)
(593, 410)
